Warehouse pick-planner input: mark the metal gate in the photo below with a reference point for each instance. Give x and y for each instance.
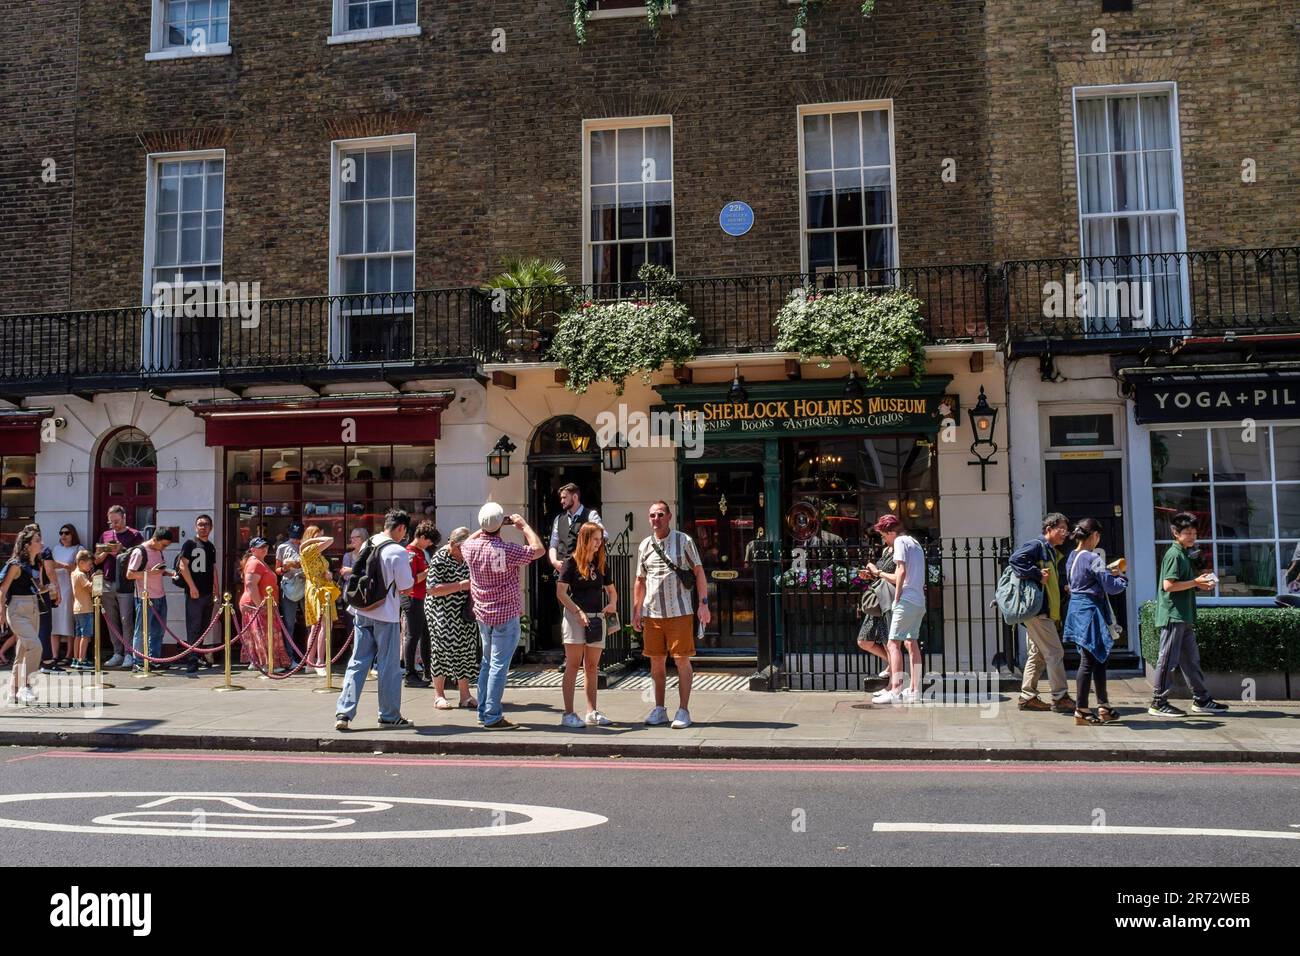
(809, 618)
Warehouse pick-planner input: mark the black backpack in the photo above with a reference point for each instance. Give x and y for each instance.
(124, 584)
(366, 589)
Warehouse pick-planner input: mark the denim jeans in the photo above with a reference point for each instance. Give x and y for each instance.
(157, 614)
(290, 611)
(376, 641)
(498, 642)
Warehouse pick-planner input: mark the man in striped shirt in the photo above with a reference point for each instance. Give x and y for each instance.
(661, 608)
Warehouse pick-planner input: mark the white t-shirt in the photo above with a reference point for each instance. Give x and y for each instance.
(397, 575)
(908, 553)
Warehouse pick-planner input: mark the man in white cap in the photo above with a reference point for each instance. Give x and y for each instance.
(498, 602)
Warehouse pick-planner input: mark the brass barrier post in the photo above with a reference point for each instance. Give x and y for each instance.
(327, 624)
(99, 673)
(270, 635)
(225, 613)
(144, 645)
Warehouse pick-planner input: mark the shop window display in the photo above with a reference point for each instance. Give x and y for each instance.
(1244, 488)
(839, 488)
(17, 497)
(338, 487)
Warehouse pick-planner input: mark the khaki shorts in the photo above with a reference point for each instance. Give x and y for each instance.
(574, 633)
(669, 636)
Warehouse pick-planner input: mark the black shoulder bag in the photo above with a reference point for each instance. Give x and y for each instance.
(685, 576)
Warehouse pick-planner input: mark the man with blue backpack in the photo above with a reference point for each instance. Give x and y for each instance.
(1038, 563)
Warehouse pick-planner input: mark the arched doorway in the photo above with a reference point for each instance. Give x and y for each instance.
(127, 475)
(562, 450)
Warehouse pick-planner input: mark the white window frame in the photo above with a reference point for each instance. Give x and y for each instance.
(153, 162)
(853, 106)
(339, 32)
(628, 12)
(1135, 89)
(1162, 535)
(158, 48)
(1048, 411)
(337, 148)
(621, 122)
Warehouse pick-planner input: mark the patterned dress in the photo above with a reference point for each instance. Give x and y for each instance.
(453, 640)
(321, 592)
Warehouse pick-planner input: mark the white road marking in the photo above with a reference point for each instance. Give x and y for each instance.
(1078, 829)
(540, 819)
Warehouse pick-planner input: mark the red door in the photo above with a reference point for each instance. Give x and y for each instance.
(135, 489)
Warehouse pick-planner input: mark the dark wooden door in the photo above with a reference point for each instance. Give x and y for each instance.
(1094, 488)
(721, 511)
(135, 489)
(544, 483)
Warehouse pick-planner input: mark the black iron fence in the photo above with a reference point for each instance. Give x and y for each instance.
(809, 619)
(1102, 299)
(621, 646)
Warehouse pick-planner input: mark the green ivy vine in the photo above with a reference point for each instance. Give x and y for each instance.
(801, 15)
(879, 332)
(654, 9)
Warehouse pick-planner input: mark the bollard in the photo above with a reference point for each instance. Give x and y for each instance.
(270, 635)
(99, 673)
(225, 613)
(327, 624)
(144, 639)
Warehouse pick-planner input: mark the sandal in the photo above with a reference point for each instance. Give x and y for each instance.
(1107, 714)
(470, 704)
(1082, 717)
(442, 704)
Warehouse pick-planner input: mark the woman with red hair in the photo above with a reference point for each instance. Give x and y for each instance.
(587, 595)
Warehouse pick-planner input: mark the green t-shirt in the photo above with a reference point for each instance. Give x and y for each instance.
(1178, 607)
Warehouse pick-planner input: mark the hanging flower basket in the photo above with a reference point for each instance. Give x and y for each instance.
(880, 332)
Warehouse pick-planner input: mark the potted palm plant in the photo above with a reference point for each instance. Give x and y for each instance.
(522, 294)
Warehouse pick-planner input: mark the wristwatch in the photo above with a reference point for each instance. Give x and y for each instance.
(704, 602)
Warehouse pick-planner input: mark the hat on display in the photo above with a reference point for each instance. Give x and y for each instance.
(491, 517)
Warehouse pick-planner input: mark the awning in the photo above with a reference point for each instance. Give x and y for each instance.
(20, 432)
(408, 419)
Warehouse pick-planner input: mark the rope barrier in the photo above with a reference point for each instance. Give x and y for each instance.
(187, 648)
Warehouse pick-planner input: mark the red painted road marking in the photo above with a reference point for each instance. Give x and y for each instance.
(694, 766)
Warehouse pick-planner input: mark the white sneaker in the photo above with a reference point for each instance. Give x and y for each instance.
(658, 717)
(885, 675)
(682, 719)
(910, 696)
(27, 696)
(597, 719)
(114, 661)
(572, 720)
(886, 697)
(320, 671)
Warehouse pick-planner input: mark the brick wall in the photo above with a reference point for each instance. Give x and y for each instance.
(499, 135)
(37, 112)
(1237, 68)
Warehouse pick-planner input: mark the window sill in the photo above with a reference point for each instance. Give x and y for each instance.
(187, 53)
(627, 12)
(377, 33)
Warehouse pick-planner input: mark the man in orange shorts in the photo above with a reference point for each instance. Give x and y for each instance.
(662, 609)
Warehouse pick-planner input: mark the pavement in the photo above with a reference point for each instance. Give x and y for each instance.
(172, 711)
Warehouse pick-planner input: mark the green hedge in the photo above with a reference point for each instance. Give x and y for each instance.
(1235, 639)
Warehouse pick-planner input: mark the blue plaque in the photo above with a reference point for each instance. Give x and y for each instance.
(736, 218)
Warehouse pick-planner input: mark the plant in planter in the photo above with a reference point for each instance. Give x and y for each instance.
(654, 9)
(610, 341)
(521, 295)
(878, 331)
(801, 15)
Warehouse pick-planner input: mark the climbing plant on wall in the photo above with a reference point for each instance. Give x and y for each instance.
(654, 9)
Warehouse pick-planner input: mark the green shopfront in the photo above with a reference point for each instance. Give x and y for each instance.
(807, 464)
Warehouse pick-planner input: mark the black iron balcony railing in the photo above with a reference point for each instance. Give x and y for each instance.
(736, 314)
(238, 340)
(1113, 302)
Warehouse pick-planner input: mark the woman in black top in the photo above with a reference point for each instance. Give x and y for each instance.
(18, 596)
(587, 595)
